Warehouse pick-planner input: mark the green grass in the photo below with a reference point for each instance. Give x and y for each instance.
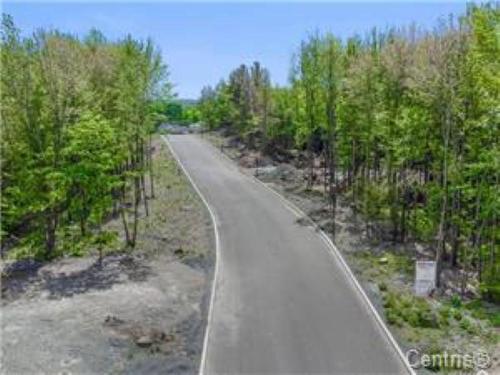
(482, 310)
(405, 308)
(380, 268)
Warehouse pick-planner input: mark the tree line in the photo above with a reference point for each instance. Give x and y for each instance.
(177, 111)
(77, 118)
(406, 123)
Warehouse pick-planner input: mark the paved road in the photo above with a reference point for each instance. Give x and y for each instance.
(283, 304)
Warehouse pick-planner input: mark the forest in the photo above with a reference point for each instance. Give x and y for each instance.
(77, 120)
(405, 122)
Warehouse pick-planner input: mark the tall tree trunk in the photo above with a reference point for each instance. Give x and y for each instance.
(325, 169)
(444, 203)
(403, 222)
(123, 213)
(455, 230)
(137, 189)
(310, 179)
(137, 201)
(333, 176)
(51, 222)
(150, 163)
(143, 179)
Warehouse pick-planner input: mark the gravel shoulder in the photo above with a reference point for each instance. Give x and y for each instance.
(140, 312)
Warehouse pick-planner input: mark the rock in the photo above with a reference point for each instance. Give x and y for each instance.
(144, 341)
(164, 348)
(179, 252)
(383, 260)
(113, 321)
(269, 171)
(419, 248)
(169, 338)
(247, 161)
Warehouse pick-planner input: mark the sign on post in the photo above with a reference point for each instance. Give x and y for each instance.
(425, 277)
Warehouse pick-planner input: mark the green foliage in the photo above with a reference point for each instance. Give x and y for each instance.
(242, 103)
(374, 199)
(434, 350)
(444, 316)
(404, 307)
(409, 119)
(76, 117)
(386, 264)
(216, 106)
(469, 326)
(92, 154)
(481, 310)
(490, 287)
(175, 111)
(456, 301)
(457, 315)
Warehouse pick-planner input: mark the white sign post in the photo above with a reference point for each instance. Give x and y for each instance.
(425, 277)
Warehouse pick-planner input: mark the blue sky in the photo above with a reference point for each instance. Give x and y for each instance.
(202, 42)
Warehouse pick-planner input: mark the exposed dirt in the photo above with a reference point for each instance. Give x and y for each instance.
(140, 312)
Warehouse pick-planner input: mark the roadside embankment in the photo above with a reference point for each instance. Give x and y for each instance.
(443, 324)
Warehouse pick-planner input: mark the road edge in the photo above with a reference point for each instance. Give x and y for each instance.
(217, 257)
(334, 252)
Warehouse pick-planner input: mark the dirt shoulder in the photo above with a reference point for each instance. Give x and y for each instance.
(385, 269)
(133, 312)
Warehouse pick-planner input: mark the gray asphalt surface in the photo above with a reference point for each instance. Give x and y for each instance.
(283, 304)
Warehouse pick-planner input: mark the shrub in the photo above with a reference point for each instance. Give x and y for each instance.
(457, 314)
(382, 286)
(480, 310)
(444, 316)
(393, 318)
(456, 301)
(490, 291)
(432, 350)
(404, 307)
(467, 325)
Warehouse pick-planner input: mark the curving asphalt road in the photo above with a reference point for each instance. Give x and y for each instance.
(282, 303)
